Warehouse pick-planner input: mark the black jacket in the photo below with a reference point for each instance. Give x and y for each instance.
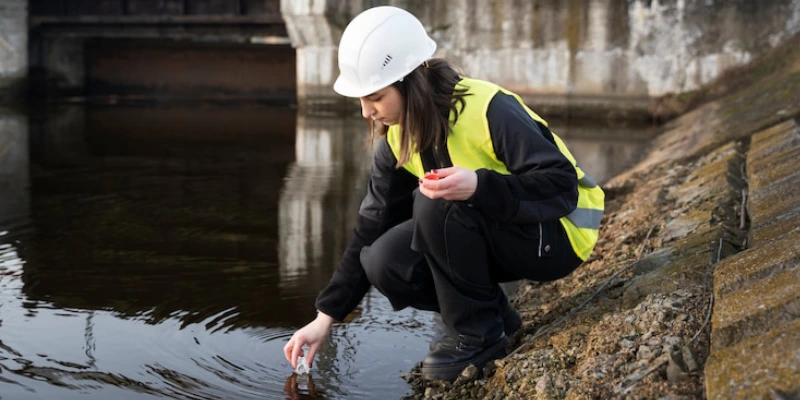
(543, 186)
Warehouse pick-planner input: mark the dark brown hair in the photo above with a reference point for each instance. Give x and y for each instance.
(429, 96)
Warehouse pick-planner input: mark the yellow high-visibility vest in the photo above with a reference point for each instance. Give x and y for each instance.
(470, 146)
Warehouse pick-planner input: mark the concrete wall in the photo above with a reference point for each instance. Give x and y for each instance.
(13, 48)
(608, 49)
(315, 28)
(189, 70)
(211, 36)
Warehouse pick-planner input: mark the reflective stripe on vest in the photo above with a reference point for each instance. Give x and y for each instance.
(586, 218)
(470, 146)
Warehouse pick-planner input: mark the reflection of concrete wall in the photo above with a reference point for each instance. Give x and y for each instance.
(13, 47)
(320, 198)
(606, 48)
(604, 151)
(14, 168)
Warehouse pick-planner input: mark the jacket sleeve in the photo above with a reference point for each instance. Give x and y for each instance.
(388, 201)
(543, 184)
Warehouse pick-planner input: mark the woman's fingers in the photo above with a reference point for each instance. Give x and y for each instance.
(443, 172)
(292, 350)
(297, 351)
(428, 191)
(453, 183)
(312, 351)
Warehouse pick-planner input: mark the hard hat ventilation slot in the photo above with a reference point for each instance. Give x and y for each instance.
(386, 61)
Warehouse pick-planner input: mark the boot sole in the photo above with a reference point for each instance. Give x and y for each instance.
(449, 372)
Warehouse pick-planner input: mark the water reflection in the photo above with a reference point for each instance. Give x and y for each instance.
(169, 253)
(157, 208)
(14, 170)
(320, 198)
(604, 149)
(299, 387)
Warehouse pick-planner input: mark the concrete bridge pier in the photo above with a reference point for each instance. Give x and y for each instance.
(13, 50)
(315, 27)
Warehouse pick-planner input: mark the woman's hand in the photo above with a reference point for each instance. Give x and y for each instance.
(453, 183)
(312, 334)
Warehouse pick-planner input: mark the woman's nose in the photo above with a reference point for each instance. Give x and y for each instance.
(366, 109)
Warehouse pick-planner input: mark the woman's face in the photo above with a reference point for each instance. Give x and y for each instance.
(384, 106)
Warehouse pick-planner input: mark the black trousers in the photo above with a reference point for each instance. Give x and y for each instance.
(450, 258)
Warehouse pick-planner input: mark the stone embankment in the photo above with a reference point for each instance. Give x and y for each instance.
(694, 288)
(755, 336)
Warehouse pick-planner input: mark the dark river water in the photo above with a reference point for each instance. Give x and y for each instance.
(171, 251)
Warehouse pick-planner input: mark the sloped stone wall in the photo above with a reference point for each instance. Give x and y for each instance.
(755, 338)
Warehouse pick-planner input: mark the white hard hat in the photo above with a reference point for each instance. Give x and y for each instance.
(379, 47)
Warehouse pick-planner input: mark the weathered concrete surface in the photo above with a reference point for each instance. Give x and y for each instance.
(757, 263)
(315, 28)
(752, 368)
(551, 51)
(13, 49)
(772, 155)
(757, 307)
(754, 341)
(772, 170)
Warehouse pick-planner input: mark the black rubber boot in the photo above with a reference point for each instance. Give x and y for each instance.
(511, 321)
(454, 353)
(511, 324)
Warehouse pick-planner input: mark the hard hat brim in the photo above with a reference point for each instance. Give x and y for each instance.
(347, 89)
